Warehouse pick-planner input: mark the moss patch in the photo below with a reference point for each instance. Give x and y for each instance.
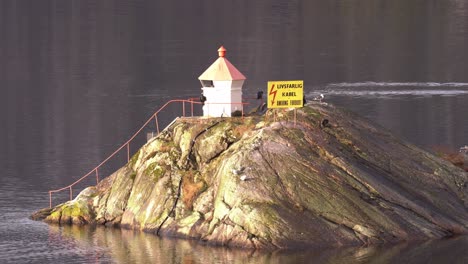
(155, 171)
(75, 210)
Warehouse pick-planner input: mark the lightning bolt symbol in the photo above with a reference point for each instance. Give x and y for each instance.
(273, 92)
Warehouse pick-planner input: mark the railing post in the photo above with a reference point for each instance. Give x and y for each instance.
(128, 151)
(97, 176)
(183, 108)
(191, 103)
(295, 116)
(50, 199)
(242, 106)
(71, 193)
(157, 123)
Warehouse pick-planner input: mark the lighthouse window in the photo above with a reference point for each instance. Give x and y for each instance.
(206, 83)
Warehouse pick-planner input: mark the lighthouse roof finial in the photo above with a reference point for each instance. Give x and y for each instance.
(222, 51)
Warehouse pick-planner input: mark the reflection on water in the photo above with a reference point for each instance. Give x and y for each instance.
(127, 246)
(26, 241)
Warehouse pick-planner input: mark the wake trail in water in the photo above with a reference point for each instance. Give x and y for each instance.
(398, 84)
(391, 89)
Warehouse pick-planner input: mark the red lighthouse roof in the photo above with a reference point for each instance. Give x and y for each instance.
(222, 70)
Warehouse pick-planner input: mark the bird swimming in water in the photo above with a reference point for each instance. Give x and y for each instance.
(318, 98)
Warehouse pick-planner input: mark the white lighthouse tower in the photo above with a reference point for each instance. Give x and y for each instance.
(222, 87)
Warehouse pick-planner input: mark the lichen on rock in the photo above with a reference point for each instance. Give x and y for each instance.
(265, 183)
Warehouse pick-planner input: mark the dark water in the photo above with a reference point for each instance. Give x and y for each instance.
(79, 77)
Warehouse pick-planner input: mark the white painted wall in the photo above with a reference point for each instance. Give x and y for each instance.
(219, 98)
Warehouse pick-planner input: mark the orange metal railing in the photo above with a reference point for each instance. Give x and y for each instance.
(126, 145)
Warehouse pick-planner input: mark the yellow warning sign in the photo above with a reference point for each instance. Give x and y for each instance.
(285, 94)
